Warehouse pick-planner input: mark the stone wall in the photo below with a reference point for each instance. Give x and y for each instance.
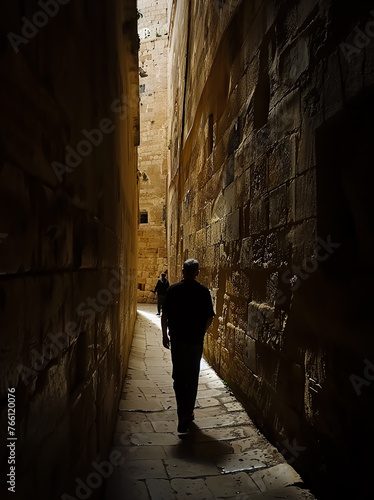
(68, 225)
(153, 150)
(269, 187)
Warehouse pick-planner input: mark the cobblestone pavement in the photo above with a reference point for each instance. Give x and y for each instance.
(223, 456)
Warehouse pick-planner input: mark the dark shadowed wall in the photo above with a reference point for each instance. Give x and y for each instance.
(69, 100)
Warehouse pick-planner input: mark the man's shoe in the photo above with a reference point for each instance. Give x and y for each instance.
(157, 314)
(183, 425)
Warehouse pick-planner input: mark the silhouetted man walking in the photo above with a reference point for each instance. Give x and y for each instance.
(161, 288)
(188, 313)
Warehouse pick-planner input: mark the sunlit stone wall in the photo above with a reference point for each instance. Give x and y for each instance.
(153, 30)
(269, 187)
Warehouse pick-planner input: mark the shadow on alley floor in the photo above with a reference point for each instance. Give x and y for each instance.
(223, 456)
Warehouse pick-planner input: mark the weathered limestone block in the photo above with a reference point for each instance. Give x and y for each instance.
(306, 203)
(285, 116)
(245, 253)
(260, 318)
(249, 353)
(162, 253)
(239, 342)
(201, 238)
(233, 226)
(293, 61)
(282, 161)
(271, 251)
(216, 232)
(259, 216)
(278, 207)
(258, 181)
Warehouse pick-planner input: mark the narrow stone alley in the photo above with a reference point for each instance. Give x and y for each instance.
(222, 456)
(138, 134)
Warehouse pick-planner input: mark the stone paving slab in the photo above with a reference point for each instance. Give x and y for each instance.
(163, 416)
(140, 345)
(142, 452)
(135, 375)
(154, 362)
(164, 426)
(206, 402)
(212, 383)
(179, 451)
(233, 406)
(227, 399)
(212, 448)
(140, 404)
(234, 484)
(223, 456)
(276, 477)
(196, 489)
(131, 427)
(209, 393)
(218, 434)
(137, 364)
(121, 488)
(155, 438)
(160, 489)
(167, 391)
(249, 460)
(289, 493)
(224, 420)
(161, 375)
(153, 372)
(133, 416)
(156, 352)
(151, 390)
(211, 412)
(140, 383)
(168, 403)
(197, 467)
(143, 469)
(250, 443)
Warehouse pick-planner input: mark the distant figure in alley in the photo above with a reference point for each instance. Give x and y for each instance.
(187, 313)
(161, 288)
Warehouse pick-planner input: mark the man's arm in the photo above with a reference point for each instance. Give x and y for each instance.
(209, 310)
(164, 326)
